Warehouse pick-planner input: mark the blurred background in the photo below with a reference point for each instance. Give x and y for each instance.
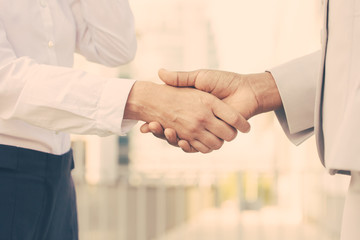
(258, 186)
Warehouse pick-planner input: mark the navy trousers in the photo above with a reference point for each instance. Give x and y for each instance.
(37, 195)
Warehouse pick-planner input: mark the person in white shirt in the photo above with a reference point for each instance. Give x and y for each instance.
(43, 100)
(317, 93)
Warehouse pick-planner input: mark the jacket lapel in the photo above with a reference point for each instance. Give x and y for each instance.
(320, 88)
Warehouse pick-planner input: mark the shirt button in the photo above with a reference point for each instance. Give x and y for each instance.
(43, 3)
(51, 44)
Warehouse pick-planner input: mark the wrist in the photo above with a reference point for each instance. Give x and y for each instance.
(266, 92)
(137, 105)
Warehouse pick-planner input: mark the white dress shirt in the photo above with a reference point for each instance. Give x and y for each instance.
(42, 98)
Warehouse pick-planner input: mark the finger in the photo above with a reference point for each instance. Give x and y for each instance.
(230, 116)
(221, 129)
(186, 147)
(210, 140)
(200, 146)
(157, 130)
(145, 128)
(171, 136)
(178, 79)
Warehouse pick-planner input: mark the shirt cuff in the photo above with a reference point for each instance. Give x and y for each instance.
(296, 81)
(295, 137)
(110, 116)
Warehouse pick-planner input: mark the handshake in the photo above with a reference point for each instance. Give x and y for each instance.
(199, 110)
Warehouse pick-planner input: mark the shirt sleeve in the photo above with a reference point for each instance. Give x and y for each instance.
(296, 81)
(60, 98)
(105, 31)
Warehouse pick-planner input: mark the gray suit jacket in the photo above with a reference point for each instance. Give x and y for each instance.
(321, 91)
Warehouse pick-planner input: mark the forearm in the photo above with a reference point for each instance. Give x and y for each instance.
(62, 99)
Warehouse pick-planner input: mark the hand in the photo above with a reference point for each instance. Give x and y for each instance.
(167, 134)
(197, 117)
(248, 94)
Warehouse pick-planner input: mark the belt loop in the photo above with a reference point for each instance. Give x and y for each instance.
(47, 172)
(17, 164)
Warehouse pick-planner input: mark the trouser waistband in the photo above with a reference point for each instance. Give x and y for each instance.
(35, 162)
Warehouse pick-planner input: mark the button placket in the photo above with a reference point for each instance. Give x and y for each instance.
(48, 30)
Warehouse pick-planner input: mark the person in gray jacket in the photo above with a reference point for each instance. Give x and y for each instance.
(318, 93)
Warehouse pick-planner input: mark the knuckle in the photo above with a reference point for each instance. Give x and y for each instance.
(194, 128)
(201, 120)
(234, 119)
(198, 124)
(208, 100)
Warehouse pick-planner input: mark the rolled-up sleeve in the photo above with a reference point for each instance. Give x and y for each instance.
(296, 81)
(60, 98)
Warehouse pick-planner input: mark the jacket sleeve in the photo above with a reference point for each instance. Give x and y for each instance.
(105, 31)
(297, 81)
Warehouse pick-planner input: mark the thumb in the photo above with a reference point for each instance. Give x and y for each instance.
(178, 79)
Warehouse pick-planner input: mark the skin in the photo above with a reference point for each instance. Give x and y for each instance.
(249, 95)
(197, 117)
